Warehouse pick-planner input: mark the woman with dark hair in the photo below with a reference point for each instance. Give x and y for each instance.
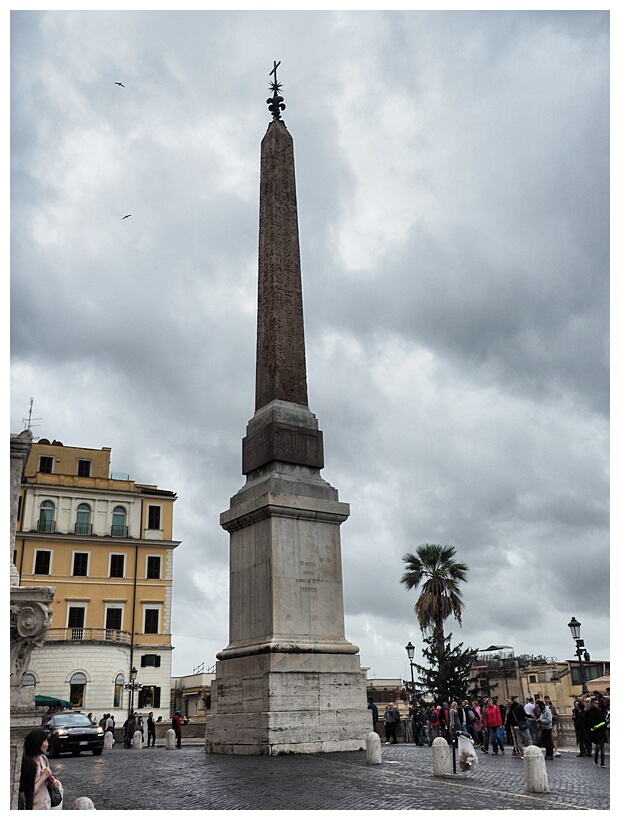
(36, 772)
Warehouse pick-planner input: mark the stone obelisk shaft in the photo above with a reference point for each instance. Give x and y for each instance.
(280, 345)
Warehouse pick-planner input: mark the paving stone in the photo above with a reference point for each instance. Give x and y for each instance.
(188, 778)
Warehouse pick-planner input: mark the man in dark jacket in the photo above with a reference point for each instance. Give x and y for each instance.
(595, 728)
(518, 723)
(176, 725)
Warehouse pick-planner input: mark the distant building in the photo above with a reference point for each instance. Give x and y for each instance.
(105, 544)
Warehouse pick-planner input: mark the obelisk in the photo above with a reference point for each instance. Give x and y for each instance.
(288, 681)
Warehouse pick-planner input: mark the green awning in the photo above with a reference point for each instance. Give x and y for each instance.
(44, 700)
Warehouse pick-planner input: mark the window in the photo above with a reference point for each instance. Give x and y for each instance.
(119, 528)
(153, 567)
(113, 618)
(151, 621)
(149, 697)
(80, 563)
(154, 517)
(82, 520)
(42, 561)
(119, 684)
(117, 566)
(75, 622)
(83, 468)
(78, 686)
(150, 660)
(46, 517)
(46, 464)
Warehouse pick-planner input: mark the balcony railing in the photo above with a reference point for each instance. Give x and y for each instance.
(82, 528)
(119, 531)
(81, 633)
(43, 525)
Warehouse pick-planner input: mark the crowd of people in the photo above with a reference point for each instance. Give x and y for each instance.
(494, 727)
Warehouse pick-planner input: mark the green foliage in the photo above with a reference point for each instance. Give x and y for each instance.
(448, 680)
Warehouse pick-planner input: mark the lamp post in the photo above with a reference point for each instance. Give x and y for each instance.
(132, 686)
(575, 631)
(411, 652)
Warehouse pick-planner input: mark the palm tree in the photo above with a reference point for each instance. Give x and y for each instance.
(434, 567)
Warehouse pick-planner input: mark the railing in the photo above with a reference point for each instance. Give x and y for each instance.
(43, 525)
(81, 633)
(82, 528)
(119, 531)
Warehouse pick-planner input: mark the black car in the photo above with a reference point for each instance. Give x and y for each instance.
(73, 732)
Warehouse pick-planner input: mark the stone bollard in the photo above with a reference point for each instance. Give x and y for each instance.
(136, 740)
(108, 741)
(170, 739)
(82, 804)
(535, 770)
(442, 757)
(373, 748)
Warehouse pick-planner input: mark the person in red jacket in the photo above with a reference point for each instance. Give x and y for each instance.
(176, 725)
(492, 722)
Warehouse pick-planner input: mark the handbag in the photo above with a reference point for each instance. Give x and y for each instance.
(55, 793)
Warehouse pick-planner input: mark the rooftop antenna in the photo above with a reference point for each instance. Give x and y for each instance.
(28, 421)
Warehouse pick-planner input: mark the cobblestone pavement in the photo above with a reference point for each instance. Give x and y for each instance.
(188, 778)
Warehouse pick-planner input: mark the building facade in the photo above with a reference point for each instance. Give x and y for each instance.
(105, 544)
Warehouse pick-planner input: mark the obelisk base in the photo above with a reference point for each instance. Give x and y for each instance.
(277, 703)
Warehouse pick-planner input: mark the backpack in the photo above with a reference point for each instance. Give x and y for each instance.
(397, 715)
(471, 715)
(435, 717)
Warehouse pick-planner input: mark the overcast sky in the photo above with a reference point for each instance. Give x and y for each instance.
(453, 193)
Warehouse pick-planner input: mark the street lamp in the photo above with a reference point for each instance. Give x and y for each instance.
(411, 652)
(575, 631)
(132, 686)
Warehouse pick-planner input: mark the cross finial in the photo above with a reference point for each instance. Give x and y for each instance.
(275, 103)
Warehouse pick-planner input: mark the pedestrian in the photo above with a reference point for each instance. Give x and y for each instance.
(515, 716)
(140, 726)
(374, 713)
(36, 773)
(554, 726)
(492, 721)
(176, 725)
(109, 726)
(434, 722)
(391, 719)
(544, 723)
(129, 727)
(595, 726)
(444, 721)
(585, 737)
(457, 726)
(532, 713)
(150, 728)
(477, 725)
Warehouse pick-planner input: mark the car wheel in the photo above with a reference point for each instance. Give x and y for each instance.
(97, 752)
(75, 753)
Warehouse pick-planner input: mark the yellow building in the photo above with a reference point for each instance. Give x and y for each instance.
(105, 543)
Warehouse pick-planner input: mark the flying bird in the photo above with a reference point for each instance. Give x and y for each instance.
(121, 85)
(125, 217)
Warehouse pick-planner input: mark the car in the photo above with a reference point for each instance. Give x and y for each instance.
(73, 732)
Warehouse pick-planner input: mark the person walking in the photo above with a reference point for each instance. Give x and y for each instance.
(585, 737)
(595, 726)
(176, 725)
(36, 773)
(391, 719)
(544, 722)
(150, 729)
(492, 721)
(554, 727)
(520, 733)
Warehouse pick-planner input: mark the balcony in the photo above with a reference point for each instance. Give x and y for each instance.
(76, 634)
(44, 525)
(119, 531)
(82, 528)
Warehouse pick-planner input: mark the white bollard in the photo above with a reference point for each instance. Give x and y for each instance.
(170, 739)
(82, 804)
(108, 741)
(136, 740)
(442, 757)
(535, 770)
(373, 748)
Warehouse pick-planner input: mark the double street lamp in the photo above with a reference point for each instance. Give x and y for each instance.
(410, 653)
(575, 631)
(132, 686)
